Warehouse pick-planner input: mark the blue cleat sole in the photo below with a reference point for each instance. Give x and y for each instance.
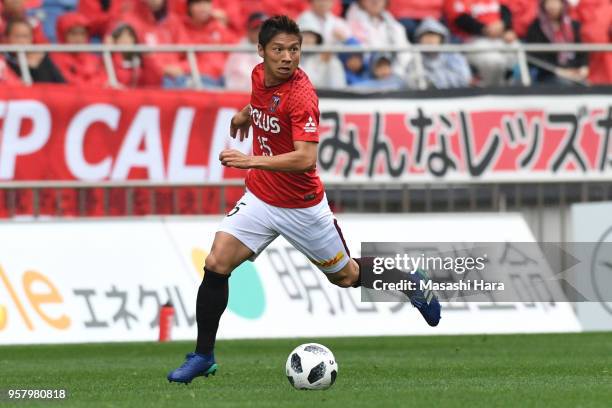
(212, 370)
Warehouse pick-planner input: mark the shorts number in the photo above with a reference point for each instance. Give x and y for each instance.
(266, 151)
(236, 209)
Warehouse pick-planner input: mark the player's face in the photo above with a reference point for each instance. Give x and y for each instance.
(281, 56)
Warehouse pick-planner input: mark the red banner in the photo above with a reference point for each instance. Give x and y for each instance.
(64, 133)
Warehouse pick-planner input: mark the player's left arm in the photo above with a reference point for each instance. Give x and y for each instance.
(301, 160)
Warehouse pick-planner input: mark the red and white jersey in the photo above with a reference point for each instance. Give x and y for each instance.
(281, 115)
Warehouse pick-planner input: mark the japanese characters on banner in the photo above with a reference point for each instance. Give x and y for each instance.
(488, 138)
(52, 292)
(60, 133)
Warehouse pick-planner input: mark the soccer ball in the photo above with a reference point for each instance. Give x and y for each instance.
(311, 366)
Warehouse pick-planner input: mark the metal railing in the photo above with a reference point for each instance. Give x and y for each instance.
(545, 205)
(365, 196)
(520, 49)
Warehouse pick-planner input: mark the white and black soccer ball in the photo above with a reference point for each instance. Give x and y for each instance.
(311, 366)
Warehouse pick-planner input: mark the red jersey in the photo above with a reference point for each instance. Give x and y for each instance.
(281, 115)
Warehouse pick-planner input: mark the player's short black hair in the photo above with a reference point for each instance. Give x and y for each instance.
(276, 25)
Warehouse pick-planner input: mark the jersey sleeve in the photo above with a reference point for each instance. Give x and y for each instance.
(304, 113)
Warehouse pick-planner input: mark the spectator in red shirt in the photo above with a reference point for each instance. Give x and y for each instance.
(291, 8)
(410, 13)
(200, 27)
(133, 70)
(523, 13)
(555, 26)
(596, 19)
(484, 23)
(155, 25)
(227, 12)
(101, 13)
(82, 68)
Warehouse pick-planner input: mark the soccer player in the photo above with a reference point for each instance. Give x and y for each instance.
(284, 195)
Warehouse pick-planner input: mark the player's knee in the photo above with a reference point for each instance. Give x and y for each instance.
(214, 263)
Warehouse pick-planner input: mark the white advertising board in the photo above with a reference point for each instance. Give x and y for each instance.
(104, 280)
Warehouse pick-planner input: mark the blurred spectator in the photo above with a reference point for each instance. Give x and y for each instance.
(227, 12)
(132, 69)
(372, 25)
(7, 76)
(523, 13)
(334, 29)
(155, 25)
(82, 68)
(356, 69)
(484, 23)
(554, 26)
(21, 9)
(382, 76)
(101, 14)
(291, 8)
(323, 69)
(200, 27)
(40, 66)
(442, 70)
(239, 65)
(410, 13)
(596, 19)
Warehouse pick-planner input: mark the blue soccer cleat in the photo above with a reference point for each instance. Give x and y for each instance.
(425, 300)
(195, 365)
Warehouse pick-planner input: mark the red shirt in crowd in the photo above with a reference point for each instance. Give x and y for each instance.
(212, 32)
(83, 68)
(523, 14)
(281, 115)
(596, 19)
(232, 8)
(137, 72)
(416, 9)
(164, 31)
(100, 19)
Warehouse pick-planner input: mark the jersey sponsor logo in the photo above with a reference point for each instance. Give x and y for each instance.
(329, 262)
(265, 122)
(275, 102)
(310, 126)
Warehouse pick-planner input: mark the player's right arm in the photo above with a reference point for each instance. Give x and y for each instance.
(241, 122)
(300, 160)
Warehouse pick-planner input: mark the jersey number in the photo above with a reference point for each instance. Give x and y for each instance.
(236, 209)
(266, 151)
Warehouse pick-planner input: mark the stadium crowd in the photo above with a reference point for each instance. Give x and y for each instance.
(481, 23)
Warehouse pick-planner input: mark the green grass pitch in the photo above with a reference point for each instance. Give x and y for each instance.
(557, 370)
